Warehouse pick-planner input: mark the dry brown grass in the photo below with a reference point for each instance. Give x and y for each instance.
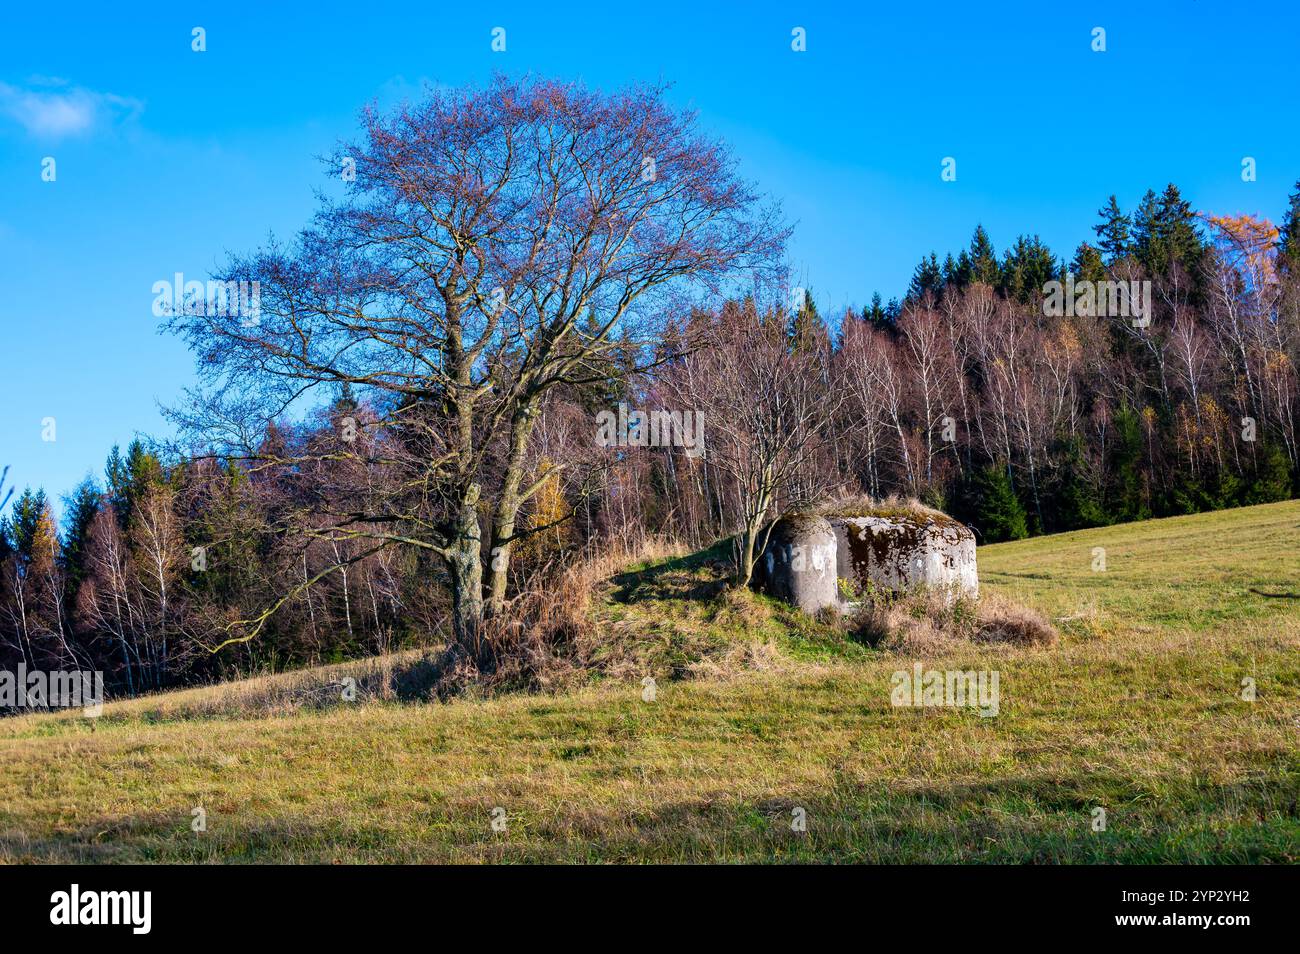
(557, 637)
(741, 659)
(1003, 620)
(862, 505)
(401, 676)
(547, 640)
(929, 622)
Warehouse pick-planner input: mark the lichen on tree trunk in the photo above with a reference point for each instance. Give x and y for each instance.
(465, 567)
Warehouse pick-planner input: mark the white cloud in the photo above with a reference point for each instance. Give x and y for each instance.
(60, 110)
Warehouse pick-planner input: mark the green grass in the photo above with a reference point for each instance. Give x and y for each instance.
(1195, 573)
(1138, 711)
(678, 617)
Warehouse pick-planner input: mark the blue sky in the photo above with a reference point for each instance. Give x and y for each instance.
(167, 158)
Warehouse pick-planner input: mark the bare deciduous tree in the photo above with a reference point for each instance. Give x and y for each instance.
(767, 413)
(451, 288)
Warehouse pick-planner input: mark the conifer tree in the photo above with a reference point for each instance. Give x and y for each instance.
(1165, 231)
(26, 533)
(1027, 267)
(1289, 247)
(874, 314)
(892, 311)
(997, 512)
(1178, 229)
(1113, 234)
(950, 271)
(1272, 478)
(806, 329)
(80, 508)
(928, 276)
(1126, 500)
(1075, 498)
(983, 259)
(1087, 264)
(1146, 234)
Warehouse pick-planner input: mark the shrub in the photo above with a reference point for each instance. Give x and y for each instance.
(1002, 621)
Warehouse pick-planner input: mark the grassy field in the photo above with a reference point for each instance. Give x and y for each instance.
(1139, 711)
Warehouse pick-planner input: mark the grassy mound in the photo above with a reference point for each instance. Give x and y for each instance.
(682, 618)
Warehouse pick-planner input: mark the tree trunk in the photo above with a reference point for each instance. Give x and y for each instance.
(499, 563)
(745, 571)
(753, 524)
(465, 567)
(509, 503)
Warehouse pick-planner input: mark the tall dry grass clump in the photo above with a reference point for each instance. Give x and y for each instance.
(928, 621)
(545, 641)
(1004, 620)
(855, 504)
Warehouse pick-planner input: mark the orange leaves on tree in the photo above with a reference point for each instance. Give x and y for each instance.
(1250, 243)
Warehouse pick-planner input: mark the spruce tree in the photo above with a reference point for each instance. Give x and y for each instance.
(1087, 264)
(1289, 247)
(80, 508)
(983, 259)
(1147, 245)
(950, 271)
(1113, 234)
(25, 522)
(1271, 480)
(116, 480)
(806, 330)
(346, 402)
(962, 276)
(987, 500)
(1027, 267)
(874, 314)
(927, 277)
(1075, 501)
(1165, 231)
(144, 470)
(1125, 498)
(1178, 229)
(999, 515)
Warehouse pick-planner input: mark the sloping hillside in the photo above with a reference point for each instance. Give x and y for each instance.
(756, 713)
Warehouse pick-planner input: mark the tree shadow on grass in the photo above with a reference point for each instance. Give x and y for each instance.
(1045, 818)
(698, 577)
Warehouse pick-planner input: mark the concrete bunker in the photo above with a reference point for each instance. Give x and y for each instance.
(818, 560)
